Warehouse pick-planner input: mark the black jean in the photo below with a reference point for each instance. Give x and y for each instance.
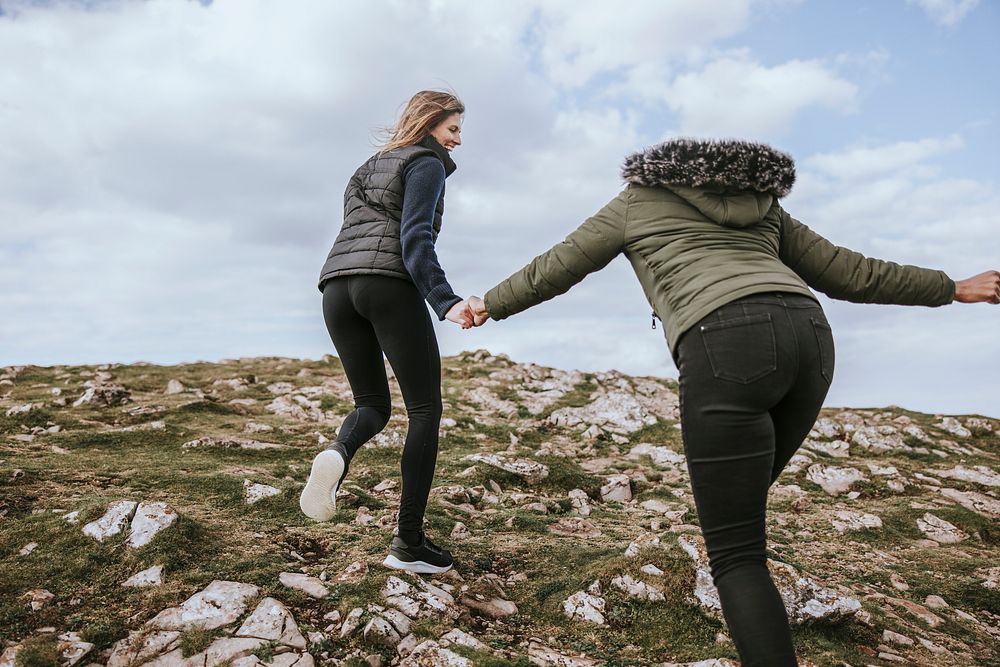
(753, 376)
(367, 315)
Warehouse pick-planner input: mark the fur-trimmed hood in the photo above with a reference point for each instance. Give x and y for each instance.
(727, 165)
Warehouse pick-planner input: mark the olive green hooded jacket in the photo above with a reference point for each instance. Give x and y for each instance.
(701, 225)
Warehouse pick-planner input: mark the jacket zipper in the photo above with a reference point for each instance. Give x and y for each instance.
(655, 317)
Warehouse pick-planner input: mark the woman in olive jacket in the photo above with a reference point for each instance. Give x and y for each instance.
(729, 273)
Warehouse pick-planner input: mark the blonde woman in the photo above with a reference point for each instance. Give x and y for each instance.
(380, 272)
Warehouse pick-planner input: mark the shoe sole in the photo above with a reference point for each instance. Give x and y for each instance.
(416, 566)
(318, 499)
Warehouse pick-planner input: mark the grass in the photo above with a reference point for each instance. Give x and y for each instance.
(218, 537)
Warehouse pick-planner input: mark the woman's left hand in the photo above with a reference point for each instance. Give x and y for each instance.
(983, 287)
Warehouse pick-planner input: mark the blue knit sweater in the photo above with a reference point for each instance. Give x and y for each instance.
(423, 182)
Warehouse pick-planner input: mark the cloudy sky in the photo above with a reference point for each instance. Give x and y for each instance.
(171, 172)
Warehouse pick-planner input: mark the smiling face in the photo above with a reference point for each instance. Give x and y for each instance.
(448, 132)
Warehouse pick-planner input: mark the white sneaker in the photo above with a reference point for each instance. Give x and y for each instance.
(319, 497)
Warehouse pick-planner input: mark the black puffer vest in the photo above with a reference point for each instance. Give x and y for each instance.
(369, 240)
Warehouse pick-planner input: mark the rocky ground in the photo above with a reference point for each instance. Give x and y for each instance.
(149, 516)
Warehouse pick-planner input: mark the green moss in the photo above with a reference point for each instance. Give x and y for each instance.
(196, 640)
(40, 651)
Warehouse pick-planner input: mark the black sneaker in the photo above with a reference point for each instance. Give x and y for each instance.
(424, 558)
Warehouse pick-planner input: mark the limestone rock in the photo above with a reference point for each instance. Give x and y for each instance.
(637, 589)
(661, 456)
(826, 428)
(457, 636)
(585, 607)
(272, 621)
(879, 439)
(380, 632)
(487, 400)
(976, 502)
(494, 608)
(115, 518)
(218, 604)
(27, 548)
(421, 601)
(531, 471)
(460, 531)
(991, 578)
(544, 656)
(981, 475)
(850, 520)
(833, 480)
(574, 527)
(254, 493)
(142, 645)
(615, 412)
(939, 530)
(641, 542)
(580, 502)
(72, 648)
(953, 426)
(836, 448)
(352, 574)
(617, 488)
(918, 611)
(152, 576)
(37, 598)
(311, 586)
(103, 395)
(175, 387)
(226, 442)
(257, 427)
(351, 622)
(430, 653)
(805, 598)
(150, 519)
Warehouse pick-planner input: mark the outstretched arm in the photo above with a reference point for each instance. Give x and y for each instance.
(589, 248)
(844, 274)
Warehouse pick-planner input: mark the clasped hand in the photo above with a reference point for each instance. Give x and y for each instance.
(469, 313)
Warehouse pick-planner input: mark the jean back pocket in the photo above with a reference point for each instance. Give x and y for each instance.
(824, 340)
(741, 349)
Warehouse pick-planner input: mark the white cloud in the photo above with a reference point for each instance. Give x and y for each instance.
(736, 96)
(946, 12)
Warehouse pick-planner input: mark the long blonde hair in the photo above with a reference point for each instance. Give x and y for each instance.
(424, 111)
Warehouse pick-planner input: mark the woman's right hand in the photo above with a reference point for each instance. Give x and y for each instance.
(984, 287)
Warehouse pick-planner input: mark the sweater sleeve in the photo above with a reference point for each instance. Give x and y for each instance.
(590, 247)
(844, 274)
(423, 182)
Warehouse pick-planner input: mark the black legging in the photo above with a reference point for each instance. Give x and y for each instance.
(753, 376)
(367, 315)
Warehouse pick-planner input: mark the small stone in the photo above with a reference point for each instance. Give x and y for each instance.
(936, 602)
(380, 632)
(896, 638)
(385, 485)
(351, 622)
(257, 427)
(175, 387)
(585, 607)
(643, 541)
(617, 489)
(531, 471)
(953, 426)
(113, 522)
(364, 517)
(254, 493)
(575, 527)
(939, 530)
(580, 502)
(311, 586)
(493, 608)
(37, 598)
(27, 548)
(833, 480)
(850, 520)
(352, 574)
(635, 588)
(218, 604)
(432, 653)
(457, 636)
(150, 519)
(152, 576)
(460, 531)
(981, 475)
(918, 611)
(890, 657)
(272, 620)
(651, 569)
